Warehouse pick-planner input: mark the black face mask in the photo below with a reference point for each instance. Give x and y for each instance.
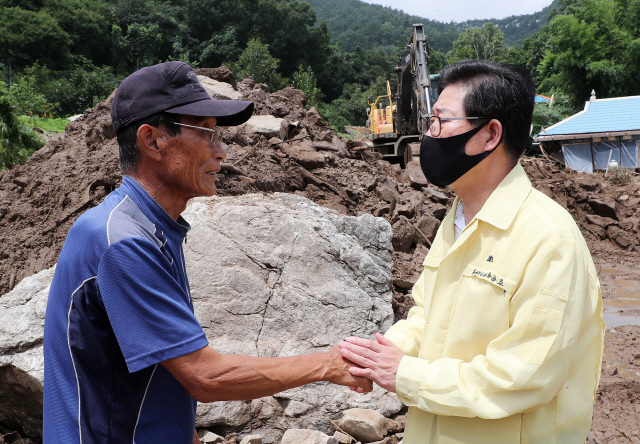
(444, 161)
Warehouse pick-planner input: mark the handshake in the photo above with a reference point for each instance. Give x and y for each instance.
(357, 362)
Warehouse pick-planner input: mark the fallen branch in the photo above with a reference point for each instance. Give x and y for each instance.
(423, 235)
(246, 156)
(237, 171)
(311, 178)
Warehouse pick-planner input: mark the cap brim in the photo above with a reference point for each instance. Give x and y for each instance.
(227, 112)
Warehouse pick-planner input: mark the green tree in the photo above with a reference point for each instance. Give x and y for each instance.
(305, 81)
(24, 94)
(138, 46)
(17, 142)
(588, 47)
(484, 43)
(29, 36)
(86, 22)
(257, 63)
(81, 88)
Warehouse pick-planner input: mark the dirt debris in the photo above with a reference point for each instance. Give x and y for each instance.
(40, 201)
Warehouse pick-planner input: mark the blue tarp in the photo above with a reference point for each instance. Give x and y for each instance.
(577, 156)
(590, 156)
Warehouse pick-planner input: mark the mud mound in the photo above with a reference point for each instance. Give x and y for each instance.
(40, 201)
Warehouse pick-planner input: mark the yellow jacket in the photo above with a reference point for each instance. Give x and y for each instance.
(505, 342)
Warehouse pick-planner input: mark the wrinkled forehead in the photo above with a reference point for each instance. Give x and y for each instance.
(451, 101)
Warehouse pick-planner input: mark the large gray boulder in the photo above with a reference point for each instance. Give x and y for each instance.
(270, 276)
(279, 275)
(22, 313)
(219, 90)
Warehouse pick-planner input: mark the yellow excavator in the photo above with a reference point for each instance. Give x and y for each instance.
(395, 122)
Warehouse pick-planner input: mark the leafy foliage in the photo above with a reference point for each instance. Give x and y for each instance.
(79, 89)
(305, 81)
(24, 95)
(484, 43)
(17, 143)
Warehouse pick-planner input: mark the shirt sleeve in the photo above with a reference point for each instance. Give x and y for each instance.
(407, 334)
(525, 367)
(149, 311)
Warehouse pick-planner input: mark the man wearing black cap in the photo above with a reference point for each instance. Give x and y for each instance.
(120, 304)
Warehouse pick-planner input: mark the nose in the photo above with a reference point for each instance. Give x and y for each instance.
(218, 152)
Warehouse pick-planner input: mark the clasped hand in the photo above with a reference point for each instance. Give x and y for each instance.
(378, 360)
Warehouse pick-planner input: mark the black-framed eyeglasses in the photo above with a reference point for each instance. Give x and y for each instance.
(216, 133)
(434, 123)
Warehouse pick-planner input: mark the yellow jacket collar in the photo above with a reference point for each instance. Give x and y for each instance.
(505, 201)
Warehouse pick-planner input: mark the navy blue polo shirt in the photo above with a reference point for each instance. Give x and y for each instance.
(119, 305)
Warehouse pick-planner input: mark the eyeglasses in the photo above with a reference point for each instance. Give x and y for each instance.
(434, 123)
(216, 133)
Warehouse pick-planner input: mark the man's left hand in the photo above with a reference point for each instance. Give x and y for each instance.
(380, 359)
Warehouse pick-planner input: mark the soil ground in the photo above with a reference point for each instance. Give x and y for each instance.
(39, 202)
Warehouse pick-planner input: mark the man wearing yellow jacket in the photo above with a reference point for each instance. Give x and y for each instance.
(505, 342)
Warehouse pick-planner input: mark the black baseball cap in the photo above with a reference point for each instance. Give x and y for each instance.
(172, 87)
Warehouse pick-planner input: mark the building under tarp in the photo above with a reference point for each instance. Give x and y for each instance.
(606, 130)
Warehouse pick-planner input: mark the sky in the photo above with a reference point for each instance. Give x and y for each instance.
(462, 10)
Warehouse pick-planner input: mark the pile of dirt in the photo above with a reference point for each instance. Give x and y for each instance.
(40, 201)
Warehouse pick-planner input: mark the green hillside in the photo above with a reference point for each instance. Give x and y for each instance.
(355, 23)
(517, 27)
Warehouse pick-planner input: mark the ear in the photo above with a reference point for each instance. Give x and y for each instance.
(148, 137)
(494, 129)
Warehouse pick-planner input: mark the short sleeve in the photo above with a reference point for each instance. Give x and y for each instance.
(149, 311)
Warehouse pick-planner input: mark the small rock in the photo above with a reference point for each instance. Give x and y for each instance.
(403, 234)
(403, 284)
(610, 370)
(305, 436)
(397, 425)
(388, 190)
(416, 176)
(600, 221)
(296, 408)
(365, 425)
(249, 82)
(407, 211)
(209, 437)
(604, 206)
(21, 181)
(428, 226)
(598, 231)
(618, 236)
(585, 184)
(378, 212)
(437, 196)
(387, 440)
(252, 439)
(628, 223)
(439, 212)
(342, 438)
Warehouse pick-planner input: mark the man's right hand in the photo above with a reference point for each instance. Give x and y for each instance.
(337, 372)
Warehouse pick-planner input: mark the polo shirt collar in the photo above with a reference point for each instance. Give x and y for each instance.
(152, 209)
(501, 207)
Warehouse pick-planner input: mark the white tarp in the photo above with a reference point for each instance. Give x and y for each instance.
(577, 156)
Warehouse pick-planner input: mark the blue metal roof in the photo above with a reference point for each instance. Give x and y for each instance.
(601, 116)
(542, 99)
